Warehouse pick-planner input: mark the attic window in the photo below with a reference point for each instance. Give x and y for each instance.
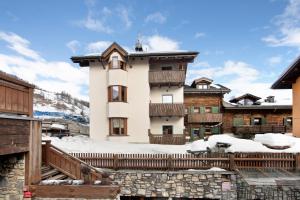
(202, 86)
(115, 62)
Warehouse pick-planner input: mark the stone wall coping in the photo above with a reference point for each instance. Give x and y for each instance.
(174, 172)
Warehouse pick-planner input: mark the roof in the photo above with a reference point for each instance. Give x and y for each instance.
(85, 59)
(229, 106)
(14, 79)
(289, 76)
(202, 80)
(213, 89)
(245, 96)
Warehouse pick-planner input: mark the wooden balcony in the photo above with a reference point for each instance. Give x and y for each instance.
(205, 117)
(172, 139)
(257, 129)
(167, 78)
(166, 109)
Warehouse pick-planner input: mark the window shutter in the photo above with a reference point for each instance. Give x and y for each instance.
(215, 130)
(109, 94)
(263, 121)
(202, 131)
(192, 109)
(109, 65)
(285, 121)
(238, 121)
(202, 109)
(215, 109)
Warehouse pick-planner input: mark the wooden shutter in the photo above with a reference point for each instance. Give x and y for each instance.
(202, 109)
(238, 121)
(252, 121)
(215, 130)
(109, 94)
(192, 109)
(202, 132)
(215, 109)
(263, 121)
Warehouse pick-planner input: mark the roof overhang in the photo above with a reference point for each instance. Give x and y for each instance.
(289, 76)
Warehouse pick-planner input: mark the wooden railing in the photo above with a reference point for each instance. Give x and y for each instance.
(167, 77)
(256, 129)
(67, 163)
(166, 109)
(205, 117)
(287, 161)
(174, 139)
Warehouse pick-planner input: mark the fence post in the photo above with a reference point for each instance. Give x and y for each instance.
(232, 166)
(47, 151)
(297, 163)
(116, 159)
(169, 162)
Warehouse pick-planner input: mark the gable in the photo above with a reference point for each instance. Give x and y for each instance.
(114, 47)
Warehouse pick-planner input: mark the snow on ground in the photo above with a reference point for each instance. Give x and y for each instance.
(86, 145)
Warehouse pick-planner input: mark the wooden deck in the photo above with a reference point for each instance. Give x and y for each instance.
(167, 78)
(166, 109)
(257, 129)
(205, 118)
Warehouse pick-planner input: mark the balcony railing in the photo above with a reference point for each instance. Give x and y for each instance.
(173, 139)
(256, 129)
(205, 117)
(166, 78)
(166, 110)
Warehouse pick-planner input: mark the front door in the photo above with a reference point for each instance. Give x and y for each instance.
(167, 130)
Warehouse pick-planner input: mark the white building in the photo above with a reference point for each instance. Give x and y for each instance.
(133, 94)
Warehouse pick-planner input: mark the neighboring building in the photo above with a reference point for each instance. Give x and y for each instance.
(290, 79)
(20, 137)
(133, 94)
(246, 114)
(203, 107)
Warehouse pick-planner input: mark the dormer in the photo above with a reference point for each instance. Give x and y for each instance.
(246, 100)
(202, 83)
(115, 56)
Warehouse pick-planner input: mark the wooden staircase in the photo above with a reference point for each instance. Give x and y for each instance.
(50, 173)
(64, 169)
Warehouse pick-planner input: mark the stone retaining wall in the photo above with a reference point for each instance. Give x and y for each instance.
(186, 184)
(12, 176)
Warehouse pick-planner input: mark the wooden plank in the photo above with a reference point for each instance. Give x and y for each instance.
(4, 150)
(2, 97)
(75, 191)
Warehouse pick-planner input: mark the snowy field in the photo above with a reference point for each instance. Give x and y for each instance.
(87, 145)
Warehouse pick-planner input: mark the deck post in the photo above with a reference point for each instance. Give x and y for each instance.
(47, 149)
(116, 161)
(297, 163)
(232, 166)
(169, 162)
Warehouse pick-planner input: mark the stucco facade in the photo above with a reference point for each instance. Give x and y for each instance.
(121, 93)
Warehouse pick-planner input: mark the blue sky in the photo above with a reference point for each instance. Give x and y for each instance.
(244, 45)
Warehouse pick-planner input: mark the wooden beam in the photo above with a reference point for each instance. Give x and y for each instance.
(75, 191)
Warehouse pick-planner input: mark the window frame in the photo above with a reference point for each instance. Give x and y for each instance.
(208, 108)
(166, 95)
(111, 128)
(167, 68)
(197, 108)
(122, 93)
(168, 126)
(120, 64)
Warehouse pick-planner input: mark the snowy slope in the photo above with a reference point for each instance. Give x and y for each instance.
(59, 105)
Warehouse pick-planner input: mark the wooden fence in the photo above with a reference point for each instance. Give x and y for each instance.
(191, 161)
(174, 139)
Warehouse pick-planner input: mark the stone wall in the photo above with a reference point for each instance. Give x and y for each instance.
(12, 176)
(186, 184)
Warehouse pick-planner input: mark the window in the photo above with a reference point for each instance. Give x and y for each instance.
(167, 98)
(289, 121)
(257, 121)
(115, 62)
(118, 126)
(167, 130)
(117, 93)
(208, 110)
(202, 86)
(166, 68)
(196, 109)
(186, 111)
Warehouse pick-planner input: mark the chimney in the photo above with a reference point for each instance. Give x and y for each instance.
(138, 46)
(270, 99)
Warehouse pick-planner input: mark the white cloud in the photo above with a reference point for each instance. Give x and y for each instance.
(19, 45)
(200, 64)
(124, 16)
(98, 46)
(96, 18)
(160, 43)
(240, 77)
(274, 60)
(156, 17)
(200, 34)
(73, 45)
(288, 24)
(49, 75)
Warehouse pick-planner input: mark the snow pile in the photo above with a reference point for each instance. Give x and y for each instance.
(83, 144)
(275, 139)
(244, 145)
(58, 126)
